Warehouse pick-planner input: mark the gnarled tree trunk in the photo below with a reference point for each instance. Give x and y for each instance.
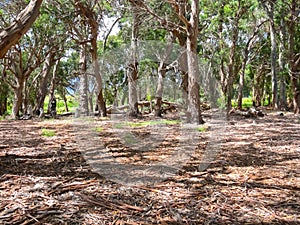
(132, 70)
(12, 34)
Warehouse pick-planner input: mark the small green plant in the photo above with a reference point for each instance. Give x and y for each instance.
(99, 129)
(119, 126)
(48, 133)
(202, 129)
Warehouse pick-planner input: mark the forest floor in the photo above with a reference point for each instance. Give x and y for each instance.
(249, 172)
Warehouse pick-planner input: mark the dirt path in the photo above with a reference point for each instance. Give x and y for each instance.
(254, 178)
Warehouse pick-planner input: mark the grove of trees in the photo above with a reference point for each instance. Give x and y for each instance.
(251, 47)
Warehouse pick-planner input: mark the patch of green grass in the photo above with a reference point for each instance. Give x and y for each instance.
(119, 125)
(99, 129)
(171, 122)
(129, 139)
(48, 133)
(202, 129)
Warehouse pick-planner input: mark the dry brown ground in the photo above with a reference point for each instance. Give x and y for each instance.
(255, 178)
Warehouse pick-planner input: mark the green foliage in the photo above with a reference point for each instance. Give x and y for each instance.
(48, 132)
(247, 102)
(72, 104)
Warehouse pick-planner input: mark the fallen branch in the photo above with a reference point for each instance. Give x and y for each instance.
(249, 113)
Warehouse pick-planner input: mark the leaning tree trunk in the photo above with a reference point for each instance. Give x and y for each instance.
(83, 86)
(194, 113)
(162, 69)
(132, 70)
(12, 34)
(100, 98)
(42, 90)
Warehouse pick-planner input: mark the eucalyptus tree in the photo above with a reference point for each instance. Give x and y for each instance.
(50, 29)
(250, 42)
(132, 67)
(232, 16)
(183, 21)
(269, 7)
(21, 61)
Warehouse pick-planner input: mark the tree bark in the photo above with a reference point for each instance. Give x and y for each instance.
(194, 112)
(52, 85)
(294, 59)
(42, 91)
(273, 65)
(3, 97)
(12, 34)
(282, 63)
(231, 72)
(159, 89)
(83, 88)
(162, 69)
(18, 98)
(100, 97)
(132, 70)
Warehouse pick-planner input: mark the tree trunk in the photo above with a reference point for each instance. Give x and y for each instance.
(44, 78)
(65, 101)
(258, 87)
(132, 70)
(18, 99)
(83, 88)
(282, 63)
(52, 85)
(273, 65)
(160, 89)
(194, 113)
(294, 59)
(241, 86)
(12, 34)
(162, 69)
(3, 98)
(100, 98)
